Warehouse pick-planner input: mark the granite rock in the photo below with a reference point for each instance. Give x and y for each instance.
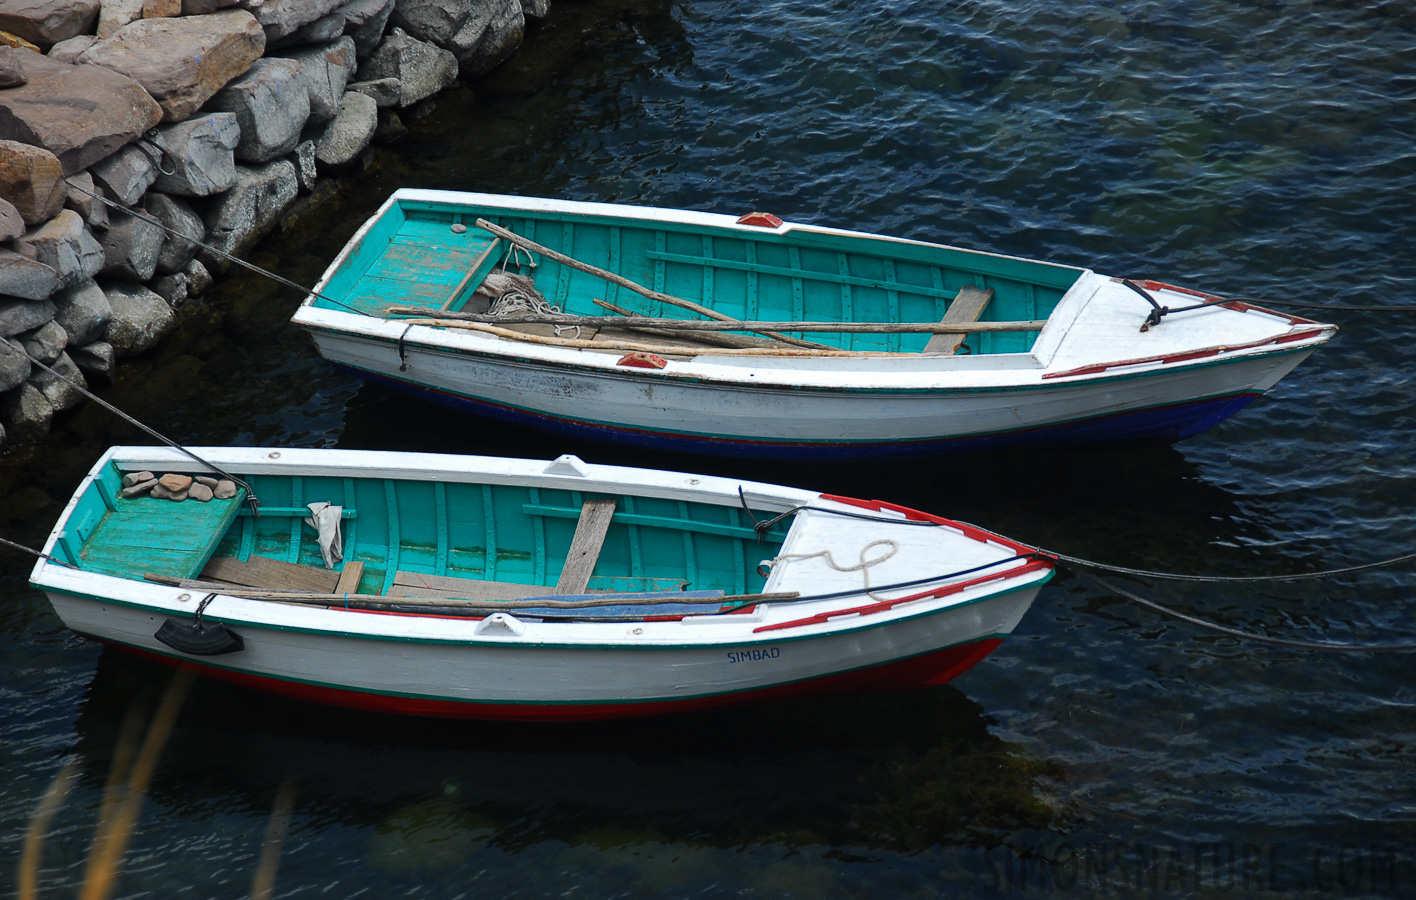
(351, 131)
(83, 312)
(19, 316)
(421, 68)
(271, 103)
(25, 278)
(48, 22)
(249, 210)
(66, 246)
(26, 414)
(178, 217)
(130, 247)
(199, 155)
(32, 180)
(140, 318)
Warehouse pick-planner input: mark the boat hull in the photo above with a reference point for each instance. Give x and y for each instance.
(470, 679)
(793, 422)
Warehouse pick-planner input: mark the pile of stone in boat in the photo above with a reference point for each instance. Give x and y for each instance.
(177, 487)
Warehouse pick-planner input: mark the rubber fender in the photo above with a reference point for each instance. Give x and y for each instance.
(212, 639)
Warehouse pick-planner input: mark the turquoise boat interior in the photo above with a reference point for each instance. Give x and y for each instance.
(422, 539)
(432, 255)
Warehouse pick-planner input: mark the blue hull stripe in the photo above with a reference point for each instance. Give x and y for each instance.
(1161, 424)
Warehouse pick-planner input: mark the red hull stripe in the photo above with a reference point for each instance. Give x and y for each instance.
(915, 515)
(919, 671)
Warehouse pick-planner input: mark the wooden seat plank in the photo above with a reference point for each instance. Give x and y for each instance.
(968, 305)
(435, 587)
(349, 578)
(274, 574)
(595, 516)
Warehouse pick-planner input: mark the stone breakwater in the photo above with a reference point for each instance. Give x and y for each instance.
(209, 116)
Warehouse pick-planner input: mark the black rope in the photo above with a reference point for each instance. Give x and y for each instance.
(1224, 579)
(1249, 635)
(251, 497)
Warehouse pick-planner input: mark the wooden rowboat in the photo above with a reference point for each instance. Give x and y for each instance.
(506, 588)
(751, 336)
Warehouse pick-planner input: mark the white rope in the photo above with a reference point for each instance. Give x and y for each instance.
(517, 295)
(863, 566)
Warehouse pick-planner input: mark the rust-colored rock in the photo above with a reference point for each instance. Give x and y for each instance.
(32, 179)
(81, 114)
(182, 61)
(175, 482)
(48, 22)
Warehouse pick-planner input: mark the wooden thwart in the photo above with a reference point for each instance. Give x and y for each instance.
(595, 516)
(264, 572)
(432, 587)
(967, 307)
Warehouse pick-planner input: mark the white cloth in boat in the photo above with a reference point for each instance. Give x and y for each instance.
(325, 519)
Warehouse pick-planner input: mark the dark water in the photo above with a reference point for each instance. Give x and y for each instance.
(1259, 149)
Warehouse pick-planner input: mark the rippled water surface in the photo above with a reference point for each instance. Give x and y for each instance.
(1259, 149)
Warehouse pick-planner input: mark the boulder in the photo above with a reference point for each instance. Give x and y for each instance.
(130, 247)
(172, 288)
(320, 31)
(66, 246)
(306, 172)
(70, 50)
(83, 312)
(158, 9)
(15, 366)
(271, 103)
(536, 9)
(326, 69)
(80, 198)
(180, 218)
(63, 386)
(202, 7)
(95, 360)
(114, 14)
(422, 69)
(199, 153)
(280, 18)
(140, 318)
(19, 316)
(45, 343)
(198, 278)
(12, 67)
(491, 34)
(386, 91)
(126, 175)
(242, 215)
(365, 22)
(182, 62)
(25, 278)
(351, 131)
(26, 414)
(48, 22)
(32, 180)
(81, 114)
(12, 224)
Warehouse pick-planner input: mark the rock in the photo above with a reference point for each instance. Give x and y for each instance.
(12, 224)
(271, 103)
(306, 172)
(26, 414)
(83, 312)
(537, 9)
(386, 91)
(130, 247)
(114, 14)
(175, 482)
(32, 180)
(25, 278)
(81, 114)
(198, 278)
(162, 492)
(320, 31)
(133, 478)
(280, 18)
(199, 154)
(239, 217)
(159, 9)
(326, 70)
(225, 489)
(127, 174)
(202, 7)
(140, 318)
(421, 68)
(199, 492)
(14, 365)
(94, 360)
(15, 42)
(66, 246)
(178, 217)
(207, 480)
(182, 62)
(491, 34)
(172, 288)
(365, 22)
(12, 68)
(69, 51)
(137, 488)
(45, 343)
(48, 22)
(79, 196)
(350, 132)
(19, 316)
(63, 386)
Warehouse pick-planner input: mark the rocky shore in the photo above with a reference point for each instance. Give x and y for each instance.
(210, 117)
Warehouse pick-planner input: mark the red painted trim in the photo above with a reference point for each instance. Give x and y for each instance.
(971, 531)
(1236, 305)
(883, 605)
(761, 220)
(1189, 354)
(927, 669)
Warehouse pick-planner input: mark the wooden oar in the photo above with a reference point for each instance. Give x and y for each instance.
(623, 282)
(734, 341)
(733, 325)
